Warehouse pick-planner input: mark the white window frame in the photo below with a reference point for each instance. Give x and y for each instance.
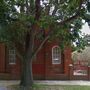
(56, 55)
(12, 56)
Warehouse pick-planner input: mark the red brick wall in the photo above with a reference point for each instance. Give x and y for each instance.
(67, 59)
(42, 64)
(43, 67)
(52, 70)
(14, 69)
(2, 57)
(39, 65)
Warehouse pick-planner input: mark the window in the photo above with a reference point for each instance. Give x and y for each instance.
(56, 55)
(12, 56)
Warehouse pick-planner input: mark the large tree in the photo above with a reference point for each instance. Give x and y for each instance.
(24, 21)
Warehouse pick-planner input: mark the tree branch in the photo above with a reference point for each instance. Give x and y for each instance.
(51, 31)
(40, 46)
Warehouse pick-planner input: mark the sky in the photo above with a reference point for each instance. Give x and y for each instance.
(85, 29)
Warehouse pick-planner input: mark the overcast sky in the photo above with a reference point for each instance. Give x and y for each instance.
(85, 29)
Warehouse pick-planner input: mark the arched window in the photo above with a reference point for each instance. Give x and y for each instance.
(56, 55)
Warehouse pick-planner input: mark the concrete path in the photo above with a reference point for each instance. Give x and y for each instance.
(3, 88)
(5, 83)
(48, 82)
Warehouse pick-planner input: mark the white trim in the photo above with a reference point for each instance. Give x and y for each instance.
(70, 65)
(12, 56)
(57, 59)
(12, 63)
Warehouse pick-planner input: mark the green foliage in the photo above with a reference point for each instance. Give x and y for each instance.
(14, 33)
(18, 16)
(3, 12)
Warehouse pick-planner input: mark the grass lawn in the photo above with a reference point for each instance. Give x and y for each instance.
(54, 87)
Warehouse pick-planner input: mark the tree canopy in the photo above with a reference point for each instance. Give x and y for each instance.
(23, 21)
(61, 16)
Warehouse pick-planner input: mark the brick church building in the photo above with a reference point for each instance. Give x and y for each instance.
(49, 63)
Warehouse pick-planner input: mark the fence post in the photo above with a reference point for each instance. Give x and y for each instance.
(70, 71)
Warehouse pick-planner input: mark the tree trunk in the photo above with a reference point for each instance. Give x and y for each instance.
(26, 75)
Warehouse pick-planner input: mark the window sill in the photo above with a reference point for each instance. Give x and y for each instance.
(12, 63)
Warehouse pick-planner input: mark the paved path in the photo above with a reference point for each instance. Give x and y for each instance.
(4, 84)
(48, 82)
(8, 82)
(3, 88)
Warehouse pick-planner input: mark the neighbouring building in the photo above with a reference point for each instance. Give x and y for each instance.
(81, 60)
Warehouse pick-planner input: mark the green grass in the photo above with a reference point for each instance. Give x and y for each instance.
(76, 87)
(53, 87)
